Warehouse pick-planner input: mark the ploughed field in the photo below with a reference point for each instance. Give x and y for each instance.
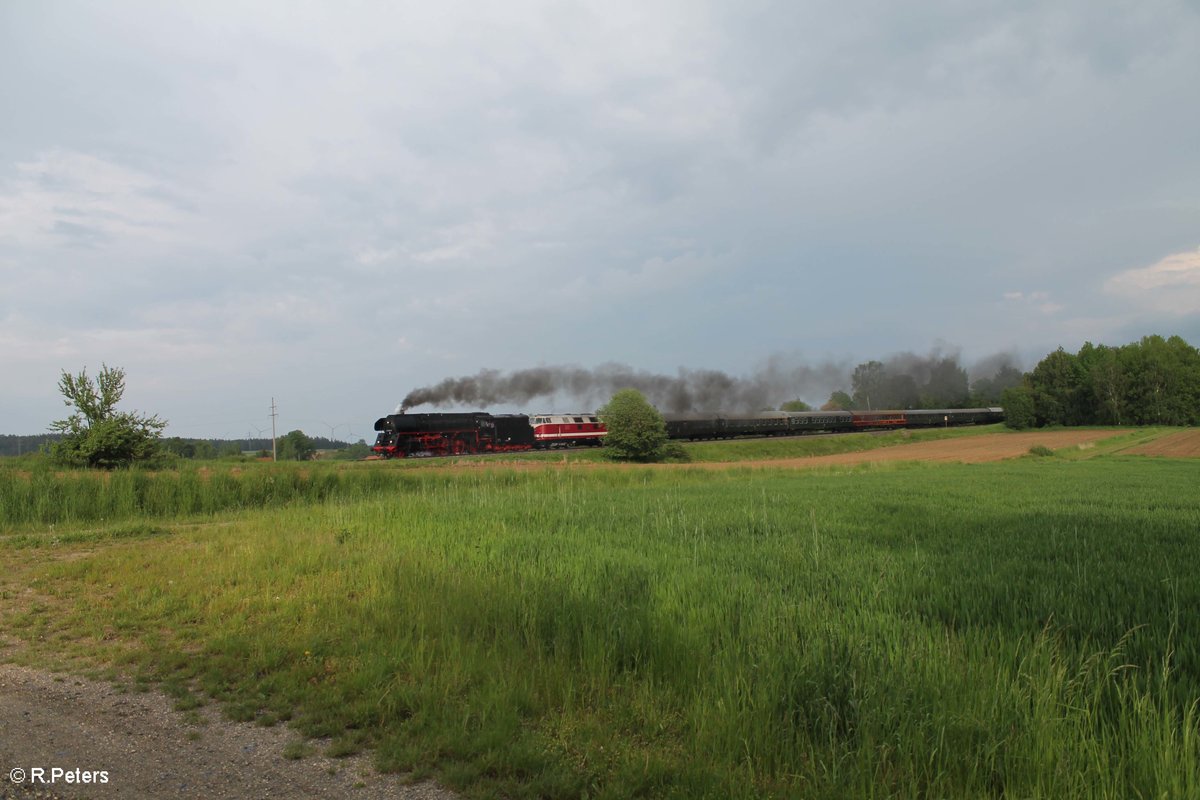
(1183, 444)
(917, 628)
(963, 450)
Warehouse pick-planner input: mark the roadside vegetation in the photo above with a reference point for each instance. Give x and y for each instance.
(1015, 629)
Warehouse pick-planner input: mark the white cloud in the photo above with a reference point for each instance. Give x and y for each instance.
(1172, 285)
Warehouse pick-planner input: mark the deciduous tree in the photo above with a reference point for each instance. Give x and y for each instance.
(296, 446)
(867, 384)
(838, 401)
(636, 431)
(1018, 407)
(96, 434)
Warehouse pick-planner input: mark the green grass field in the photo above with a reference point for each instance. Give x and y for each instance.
(1018, 629)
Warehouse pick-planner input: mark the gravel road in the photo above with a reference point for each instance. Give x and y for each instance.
(143, 748)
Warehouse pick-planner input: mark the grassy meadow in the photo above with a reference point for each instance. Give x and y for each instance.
(1016, 629)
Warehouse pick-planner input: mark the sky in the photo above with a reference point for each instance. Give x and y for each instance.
(332, 204)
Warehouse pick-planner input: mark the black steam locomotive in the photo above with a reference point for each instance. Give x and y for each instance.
(407, 435)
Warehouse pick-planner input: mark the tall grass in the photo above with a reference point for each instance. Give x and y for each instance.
(1017, 630)
(34, 493)
(42, 496)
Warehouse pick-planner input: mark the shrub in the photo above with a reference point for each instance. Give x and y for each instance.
(636, 431)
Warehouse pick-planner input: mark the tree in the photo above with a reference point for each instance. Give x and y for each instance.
(96, 434)
(946, 387)
(987, 391)
(296, 446)
(355, 452)
(1055, 383)
(184, 448)
(1102, 397)
(1163, 381)
(898, 391)
(795, 405)
(867, 385)
(1019, 410)
(231, 450)
(636, 431)
(838, 401)
(1153, 381)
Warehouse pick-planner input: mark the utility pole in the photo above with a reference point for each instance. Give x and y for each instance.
(274, 414)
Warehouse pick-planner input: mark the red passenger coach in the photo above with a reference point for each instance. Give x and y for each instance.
(879, 419)
(567, 430)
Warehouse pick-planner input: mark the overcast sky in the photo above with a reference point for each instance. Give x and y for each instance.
(332, 204)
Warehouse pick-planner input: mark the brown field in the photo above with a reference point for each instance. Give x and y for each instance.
(1185, 444)
(967, 450)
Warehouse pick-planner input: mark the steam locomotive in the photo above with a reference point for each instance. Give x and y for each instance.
(408, 435)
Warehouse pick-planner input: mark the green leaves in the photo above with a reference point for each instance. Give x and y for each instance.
(1154, 381)
(97, 435)
(296, 446)
(636, 431)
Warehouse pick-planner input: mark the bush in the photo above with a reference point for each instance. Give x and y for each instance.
(636, 431)
(675, 452)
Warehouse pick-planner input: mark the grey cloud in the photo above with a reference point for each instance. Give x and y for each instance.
(434, 190)
(77, 235)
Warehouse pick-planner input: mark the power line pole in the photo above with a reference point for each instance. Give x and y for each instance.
(274, 455)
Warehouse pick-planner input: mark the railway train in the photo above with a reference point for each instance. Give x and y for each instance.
(408, 435)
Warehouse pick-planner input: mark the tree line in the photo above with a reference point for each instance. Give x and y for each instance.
(1154, 381)
(16, 445)
(911, 382)
(292, 446)
(96, 434)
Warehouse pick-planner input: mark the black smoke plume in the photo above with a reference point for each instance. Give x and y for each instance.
(937, 380)
(903, 380)
(689, 390)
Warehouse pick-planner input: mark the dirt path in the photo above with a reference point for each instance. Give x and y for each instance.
(136, 746)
